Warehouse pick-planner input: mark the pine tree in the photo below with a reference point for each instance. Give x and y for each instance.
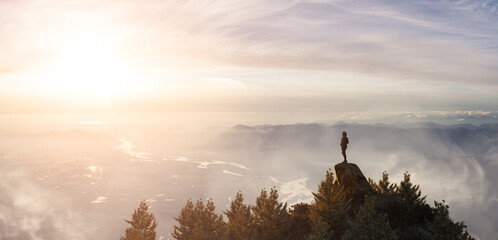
(384, 186)
(370, 225)
(132, 234)
(443, 227)
(300, 223)
(330, 206)
(186, 222)
(404, 205)
(320, 231)
(271, 219)
(143, 225)
(240, 220)
(409, 211)
(199, 222)
(410, 194)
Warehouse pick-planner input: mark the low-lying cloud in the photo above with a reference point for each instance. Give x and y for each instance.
(456, 164)
(28, 211)
(47, 193)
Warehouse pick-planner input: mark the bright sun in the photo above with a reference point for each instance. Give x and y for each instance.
(90, 69)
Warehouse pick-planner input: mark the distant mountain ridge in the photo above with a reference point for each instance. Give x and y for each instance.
(462, 156)
(315, 136)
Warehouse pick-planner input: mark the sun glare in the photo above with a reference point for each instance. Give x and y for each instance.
(87, 68)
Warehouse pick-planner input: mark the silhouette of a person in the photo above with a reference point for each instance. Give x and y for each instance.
(344, 145)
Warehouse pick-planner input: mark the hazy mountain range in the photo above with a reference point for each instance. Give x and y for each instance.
(78, 184)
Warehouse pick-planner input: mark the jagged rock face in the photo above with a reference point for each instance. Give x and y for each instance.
(350, 176)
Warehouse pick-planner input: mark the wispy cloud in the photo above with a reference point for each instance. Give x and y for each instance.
(404, 43)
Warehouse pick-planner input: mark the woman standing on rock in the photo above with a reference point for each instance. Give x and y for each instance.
(344, 144)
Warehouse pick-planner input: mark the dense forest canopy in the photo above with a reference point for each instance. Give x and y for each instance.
(392, 211)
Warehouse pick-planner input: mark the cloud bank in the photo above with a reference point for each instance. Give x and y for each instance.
(31, 212)
(453, 163)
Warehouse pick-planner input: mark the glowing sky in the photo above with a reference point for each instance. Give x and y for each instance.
(251, 55)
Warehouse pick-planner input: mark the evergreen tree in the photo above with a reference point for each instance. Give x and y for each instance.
(410, 194)
(199, 222)
(404, 205)
(330, 206)
(409, 211)
(443, 227)
(300, 223)
(143, 225)
(370, 225)
(394, 212)
(271, 219)
(240, 220)
(320, 231)
(384, 186)
(186, 221)
(132, 234)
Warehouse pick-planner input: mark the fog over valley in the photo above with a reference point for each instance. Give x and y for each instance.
(80, 179)
(106, 106)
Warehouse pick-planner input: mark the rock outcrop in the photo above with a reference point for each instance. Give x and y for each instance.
(350, 176)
